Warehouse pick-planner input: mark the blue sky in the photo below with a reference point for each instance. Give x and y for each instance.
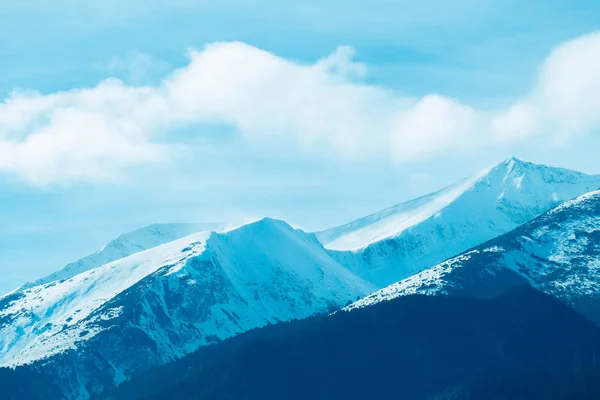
(491, 66)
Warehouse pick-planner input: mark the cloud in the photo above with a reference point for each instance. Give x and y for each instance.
(520, 121)
(137, 67)
(325, 107)
(93, 133)
(341, 62)
(566, 98)
(433, 125)
(265, 96)
(79, 135)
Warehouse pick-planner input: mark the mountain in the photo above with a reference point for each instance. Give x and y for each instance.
(27, 383)
(98, 327)
(162, 292)
(127, 244)
(580, 382)
(410, 348)
(557, 253)
(400, 241)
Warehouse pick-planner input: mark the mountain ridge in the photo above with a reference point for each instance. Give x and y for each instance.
(514, 168)
(557, 253)
(162, 303)
(100, 325)
(125, 245)
(450, 221)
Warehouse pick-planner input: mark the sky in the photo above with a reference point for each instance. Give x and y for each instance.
(115, 115)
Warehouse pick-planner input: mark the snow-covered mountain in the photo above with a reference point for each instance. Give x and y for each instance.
(127, 244)
(163, 291)
(405, 239)
(165, 302)
(557, 253)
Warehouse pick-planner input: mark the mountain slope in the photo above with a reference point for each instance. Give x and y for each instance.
(95, 325)
(558, 253)
(162, 303)
(48, 319)
(403, 240)
(409, 348)
(579, 382)
(125, 245)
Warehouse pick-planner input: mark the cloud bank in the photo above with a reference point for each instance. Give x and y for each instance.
(566, 98)
(97, 133)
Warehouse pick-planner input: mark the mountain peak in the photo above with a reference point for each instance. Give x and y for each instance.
(513, 183)
(260, 226)
(554, 252)
(127, 244)
(514, 160)
(515, 166)
(392, 244)
(211, 285)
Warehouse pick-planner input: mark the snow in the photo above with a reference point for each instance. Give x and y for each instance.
(46, 310)
(401, 241)
(279, 274)
(392, 221)
(580, 201)
(428, 282)
(127, 244)
(493, 249)
(557, 253)
(211, 285)
(514, 183)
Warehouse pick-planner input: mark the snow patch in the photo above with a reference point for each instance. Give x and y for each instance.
(428, 282)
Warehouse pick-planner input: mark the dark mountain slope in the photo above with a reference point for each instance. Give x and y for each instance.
(410, 348)
(579, 383)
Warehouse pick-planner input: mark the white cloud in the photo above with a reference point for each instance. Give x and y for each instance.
(265, 96)
(519, 121)
(80, 134)
(340, 62)
(435, 124)
(137, 67)
(91, 134)
(566, 98)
